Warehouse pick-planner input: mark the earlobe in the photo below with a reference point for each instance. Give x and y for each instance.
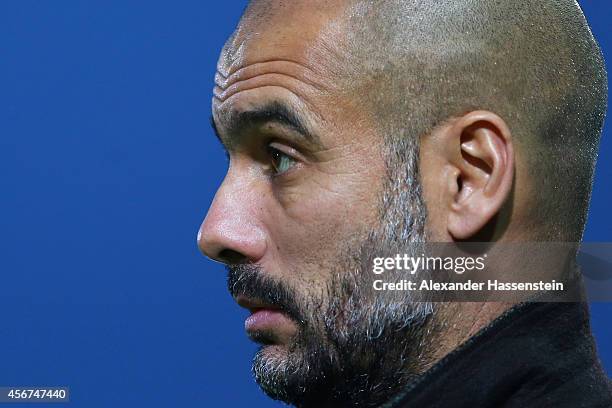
(484, 158)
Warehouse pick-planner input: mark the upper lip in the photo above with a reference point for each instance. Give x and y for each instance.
(253, 305)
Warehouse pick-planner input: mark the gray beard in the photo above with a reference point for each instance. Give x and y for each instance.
(357, 347)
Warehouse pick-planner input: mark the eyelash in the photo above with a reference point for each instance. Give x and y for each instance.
(277, 154)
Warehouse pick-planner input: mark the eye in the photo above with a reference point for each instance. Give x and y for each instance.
(280, 161)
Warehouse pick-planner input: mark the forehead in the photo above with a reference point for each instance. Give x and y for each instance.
(291, 54)
(295, 30)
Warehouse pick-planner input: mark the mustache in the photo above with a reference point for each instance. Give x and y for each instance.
(250, 281)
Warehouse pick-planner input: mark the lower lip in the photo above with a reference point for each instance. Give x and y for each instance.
(264, 319)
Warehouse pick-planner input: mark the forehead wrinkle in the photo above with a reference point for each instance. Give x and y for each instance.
(274, 66)
(260, 81)
(266, 74)
(268, 78)
(239, 67)
(284, 37)
(220, 107)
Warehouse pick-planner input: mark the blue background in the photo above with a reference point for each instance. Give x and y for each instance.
(107, 167)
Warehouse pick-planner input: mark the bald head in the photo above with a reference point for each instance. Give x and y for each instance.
(416, 64)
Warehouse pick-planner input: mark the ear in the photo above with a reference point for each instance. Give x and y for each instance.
(482, 155)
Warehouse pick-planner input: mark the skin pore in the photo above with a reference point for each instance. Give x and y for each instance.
(330, 166)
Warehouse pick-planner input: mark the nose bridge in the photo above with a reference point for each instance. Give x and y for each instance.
(232, 228)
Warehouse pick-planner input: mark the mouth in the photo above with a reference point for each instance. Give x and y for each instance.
(267, 323)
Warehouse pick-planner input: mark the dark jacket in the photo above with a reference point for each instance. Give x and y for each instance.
(535, 355)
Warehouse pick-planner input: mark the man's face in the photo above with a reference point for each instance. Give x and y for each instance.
(303, 208)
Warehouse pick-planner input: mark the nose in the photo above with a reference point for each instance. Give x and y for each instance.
(231, 232)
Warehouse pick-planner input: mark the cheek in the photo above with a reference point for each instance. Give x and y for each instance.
(320, 221)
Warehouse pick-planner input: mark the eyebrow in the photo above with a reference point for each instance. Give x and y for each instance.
(273, 112)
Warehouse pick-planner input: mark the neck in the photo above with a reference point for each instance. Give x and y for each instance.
(453, 324)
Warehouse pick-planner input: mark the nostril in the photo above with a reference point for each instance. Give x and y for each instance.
(229, 256)
(226, 238)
